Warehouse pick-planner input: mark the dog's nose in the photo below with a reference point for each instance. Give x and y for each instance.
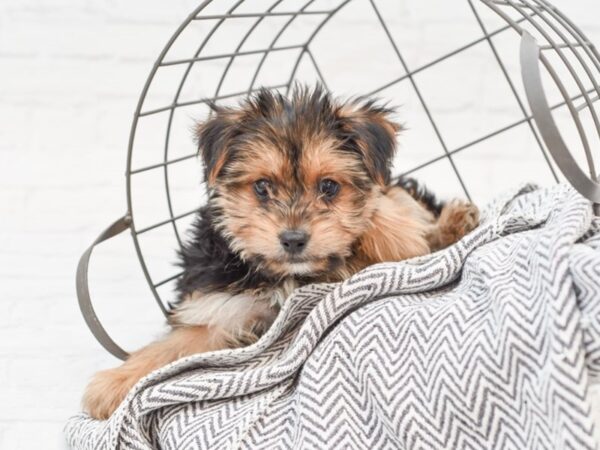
(293, 241)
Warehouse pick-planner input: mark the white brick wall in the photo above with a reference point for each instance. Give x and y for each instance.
(70, 75)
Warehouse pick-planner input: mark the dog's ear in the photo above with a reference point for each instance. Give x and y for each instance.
(213, 137)
(369, 130)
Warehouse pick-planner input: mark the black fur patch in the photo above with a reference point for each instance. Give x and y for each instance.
(365, 132)
(210, 265)
(212, 139)
(420, 193)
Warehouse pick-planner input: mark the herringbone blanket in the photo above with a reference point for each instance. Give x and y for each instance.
(488, 344)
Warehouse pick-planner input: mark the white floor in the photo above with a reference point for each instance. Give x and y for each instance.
(70, 74)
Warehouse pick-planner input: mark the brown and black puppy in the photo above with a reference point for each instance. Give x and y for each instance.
(299, 191)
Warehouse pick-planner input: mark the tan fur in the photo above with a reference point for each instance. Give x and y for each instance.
(259, 160)
(212, 176)
(398, 230)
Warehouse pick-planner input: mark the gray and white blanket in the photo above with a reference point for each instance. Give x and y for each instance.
(491, 343)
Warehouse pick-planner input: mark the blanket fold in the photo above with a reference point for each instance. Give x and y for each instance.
(490, 343)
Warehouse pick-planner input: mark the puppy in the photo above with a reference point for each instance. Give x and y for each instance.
(299, 191)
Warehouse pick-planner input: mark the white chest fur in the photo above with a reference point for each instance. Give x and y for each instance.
(232, 312)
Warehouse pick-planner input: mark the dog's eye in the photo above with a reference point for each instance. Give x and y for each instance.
(261, 188)
(328, 188)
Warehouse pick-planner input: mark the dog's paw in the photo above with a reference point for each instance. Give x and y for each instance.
(458, 218)
(463, 217)
(106, 391)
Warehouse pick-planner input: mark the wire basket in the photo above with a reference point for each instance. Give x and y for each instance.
(525, 83)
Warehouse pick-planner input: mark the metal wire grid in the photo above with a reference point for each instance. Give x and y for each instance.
(567, 37)
(537, 14)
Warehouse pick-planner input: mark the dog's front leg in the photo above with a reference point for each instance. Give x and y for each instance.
(109, 387)
(202, 322)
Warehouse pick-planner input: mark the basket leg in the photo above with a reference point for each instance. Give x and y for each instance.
(83, 292)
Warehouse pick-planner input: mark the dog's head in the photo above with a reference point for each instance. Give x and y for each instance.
(292, 178)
